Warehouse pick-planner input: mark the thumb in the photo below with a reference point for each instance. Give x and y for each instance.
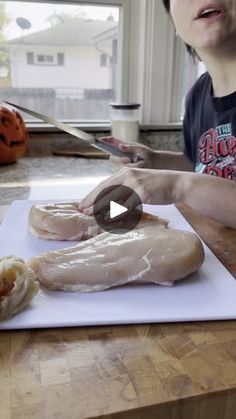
(110, 140)
(135, 148)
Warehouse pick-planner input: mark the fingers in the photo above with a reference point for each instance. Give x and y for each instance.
(126, 162)
(133, 202)
(120, 144)
(120, 160)
(141, 164)
(114, 193)
(110, 140)
(135, 148)
(143, 153)
(86, 203)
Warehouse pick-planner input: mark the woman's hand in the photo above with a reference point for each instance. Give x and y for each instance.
(212, 196)
(146, 154)
(152, 186)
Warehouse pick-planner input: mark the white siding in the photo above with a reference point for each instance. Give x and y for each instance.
(81, 69)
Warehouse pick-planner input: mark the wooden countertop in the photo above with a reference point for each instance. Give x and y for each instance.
(161, 371)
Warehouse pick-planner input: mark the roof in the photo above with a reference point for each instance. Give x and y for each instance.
(73, 32)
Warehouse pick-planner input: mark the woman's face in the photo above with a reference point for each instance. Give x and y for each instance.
(205, 24)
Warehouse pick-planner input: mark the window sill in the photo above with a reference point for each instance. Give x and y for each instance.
(103, 127)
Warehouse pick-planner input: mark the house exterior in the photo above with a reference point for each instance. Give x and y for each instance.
(69, 57)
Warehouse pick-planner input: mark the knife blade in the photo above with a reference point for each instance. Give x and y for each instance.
(84, 136)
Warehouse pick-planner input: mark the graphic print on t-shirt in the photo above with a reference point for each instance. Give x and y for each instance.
(217, 152)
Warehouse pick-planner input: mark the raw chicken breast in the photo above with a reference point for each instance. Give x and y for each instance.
(64, 221)
(61, 221)
(144, 255)
(18, 286)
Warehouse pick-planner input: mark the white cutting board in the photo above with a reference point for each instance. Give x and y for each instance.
(209, 294)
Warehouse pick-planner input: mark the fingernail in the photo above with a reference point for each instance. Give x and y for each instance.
(88, 211)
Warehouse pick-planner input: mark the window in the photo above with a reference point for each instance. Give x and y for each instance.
(103, 60)
(30, 58)
(43, 59)
(145, 62)
(59, 57)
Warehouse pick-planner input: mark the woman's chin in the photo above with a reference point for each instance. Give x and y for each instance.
(214, 44)
(216, 39)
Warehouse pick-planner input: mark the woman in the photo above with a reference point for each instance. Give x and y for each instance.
(209, 31)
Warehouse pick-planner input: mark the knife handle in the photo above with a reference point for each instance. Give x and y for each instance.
(111, 149)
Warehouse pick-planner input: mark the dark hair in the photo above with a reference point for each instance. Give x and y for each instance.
(190, 49)
(166, 5)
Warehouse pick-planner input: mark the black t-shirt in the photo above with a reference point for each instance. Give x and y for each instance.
(210, 130)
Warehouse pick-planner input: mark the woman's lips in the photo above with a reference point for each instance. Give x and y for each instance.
(211, 9)
(213, 16)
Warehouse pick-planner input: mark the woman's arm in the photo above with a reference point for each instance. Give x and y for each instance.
(153, 159)
(211, 196)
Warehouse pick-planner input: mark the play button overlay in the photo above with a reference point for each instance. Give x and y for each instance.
(118, 209)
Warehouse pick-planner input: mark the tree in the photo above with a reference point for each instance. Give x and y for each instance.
(4, 20)
(58, 18)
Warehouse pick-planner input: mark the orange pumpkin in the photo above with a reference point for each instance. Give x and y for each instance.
(13, 136)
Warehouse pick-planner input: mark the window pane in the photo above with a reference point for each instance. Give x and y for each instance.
(30, 57)
(59, 59)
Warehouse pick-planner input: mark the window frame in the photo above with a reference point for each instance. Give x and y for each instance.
(151, 62)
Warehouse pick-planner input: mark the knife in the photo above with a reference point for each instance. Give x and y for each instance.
(78, 133)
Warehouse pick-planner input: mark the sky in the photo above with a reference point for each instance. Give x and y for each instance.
(37, 14)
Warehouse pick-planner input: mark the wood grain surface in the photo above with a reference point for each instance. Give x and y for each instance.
(165, 371)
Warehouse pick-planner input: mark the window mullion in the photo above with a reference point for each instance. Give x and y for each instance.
(123, 53)
(159, 68)
(177, 80)
(153, 62)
